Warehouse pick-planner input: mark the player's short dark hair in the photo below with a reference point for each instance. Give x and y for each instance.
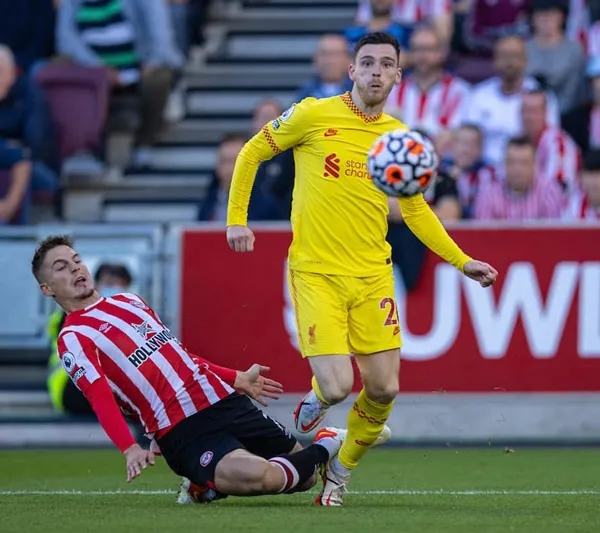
(118, 271)
(44, 247)
(520, 142)
(378, 37)
(591, 161)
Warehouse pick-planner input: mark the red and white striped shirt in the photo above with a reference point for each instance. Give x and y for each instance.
(558, 159)
(438, 108)
(150, 373)
(578, 208)
(408, 12)
(470, 182)
(496, 202)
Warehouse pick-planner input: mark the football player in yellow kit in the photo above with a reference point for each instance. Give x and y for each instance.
(340, 268)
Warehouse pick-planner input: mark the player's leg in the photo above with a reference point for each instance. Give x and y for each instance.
(241, 473)
(210, 450)
(262, 435)
(374, 336)
(321, 309)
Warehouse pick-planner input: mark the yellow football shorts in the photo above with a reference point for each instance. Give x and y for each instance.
(338, 315)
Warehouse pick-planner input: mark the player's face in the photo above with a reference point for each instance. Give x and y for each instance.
(510, 58)
(590, 183)
(426, 53)
(520, 167)
(375, 70)
(65, 276)
(533, 114)
(466, 147)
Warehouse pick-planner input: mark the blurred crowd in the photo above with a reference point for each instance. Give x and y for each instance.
(74, 72)
(508, 90)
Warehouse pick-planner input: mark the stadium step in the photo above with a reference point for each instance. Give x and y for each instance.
(206, 102)
(242, 46)
(214, 128)
(22, 378)
(261, 76)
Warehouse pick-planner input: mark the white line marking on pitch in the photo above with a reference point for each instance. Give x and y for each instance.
(358, 492)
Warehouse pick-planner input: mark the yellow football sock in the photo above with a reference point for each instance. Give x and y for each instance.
(365, 423)
(317, 390)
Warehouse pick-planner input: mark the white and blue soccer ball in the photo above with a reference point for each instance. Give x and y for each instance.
(402, 163)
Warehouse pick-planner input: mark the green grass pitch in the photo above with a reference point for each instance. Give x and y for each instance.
(393, 490)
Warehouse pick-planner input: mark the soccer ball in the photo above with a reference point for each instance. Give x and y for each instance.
(402, 163)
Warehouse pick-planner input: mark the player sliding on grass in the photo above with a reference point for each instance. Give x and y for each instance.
(340, 267)
(120, 355)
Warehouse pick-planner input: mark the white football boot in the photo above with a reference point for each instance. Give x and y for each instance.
(333, 475)
(309, 413)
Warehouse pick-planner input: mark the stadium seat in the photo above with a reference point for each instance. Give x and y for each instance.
(78, 98)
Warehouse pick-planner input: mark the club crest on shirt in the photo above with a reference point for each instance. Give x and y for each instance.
(275, 124)
(206, 458)
(144, 329)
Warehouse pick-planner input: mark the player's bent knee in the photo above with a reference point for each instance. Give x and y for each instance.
(335, 376)
(335, 392)
(383, 393)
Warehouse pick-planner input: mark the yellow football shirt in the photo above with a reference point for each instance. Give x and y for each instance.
(339, 218)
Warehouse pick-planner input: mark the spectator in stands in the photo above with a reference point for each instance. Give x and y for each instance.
(214, 207)
(583, 122)
(552, 58)
(466, 166)
(25, 118)
(15, 175)
(558, 157)
(272, 192)
(331, 61)
(27, 28)
(495, 104)
(428, 97)
(134, 40)
(488, 21)
(380, 19)
(521, 195)
(411, 13)
(585, 204)
(110, 279)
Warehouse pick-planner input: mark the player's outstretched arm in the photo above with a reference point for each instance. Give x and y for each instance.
(111, 419)
(279, 135)
(253, 383)
(424, 223)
